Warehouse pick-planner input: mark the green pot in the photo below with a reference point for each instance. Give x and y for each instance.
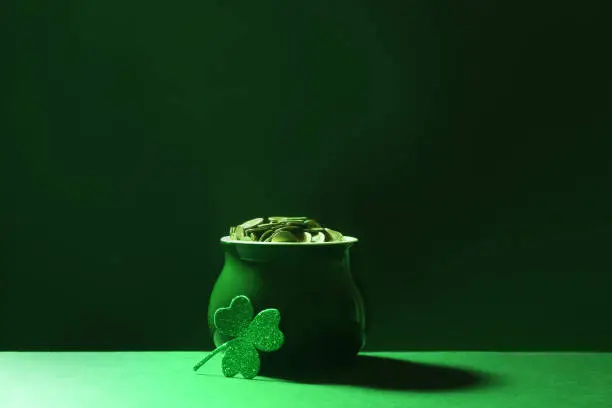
(322, 311)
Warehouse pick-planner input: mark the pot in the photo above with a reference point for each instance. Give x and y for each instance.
(322, 310)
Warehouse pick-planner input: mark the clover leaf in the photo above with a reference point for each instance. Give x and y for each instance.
(250, 334)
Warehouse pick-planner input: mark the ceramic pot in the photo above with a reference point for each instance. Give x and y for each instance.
(322, 310)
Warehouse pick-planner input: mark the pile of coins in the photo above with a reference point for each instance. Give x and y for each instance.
(284, 229)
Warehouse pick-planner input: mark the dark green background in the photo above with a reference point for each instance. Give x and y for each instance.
(466, 145)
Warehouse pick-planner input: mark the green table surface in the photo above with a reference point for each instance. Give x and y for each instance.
(382, 379)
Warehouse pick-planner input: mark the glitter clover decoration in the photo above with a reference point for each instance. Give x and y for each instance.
(249, 335)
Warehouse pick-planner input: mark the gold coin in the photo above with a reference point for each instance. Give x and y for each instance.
(283, 236)
(315, 230)
(268, 225)
(266, 235)
(276, 219)
(251, 223)
(318, 237)
(239, 232)
(295, 223)
(334, 235)
(312, 224)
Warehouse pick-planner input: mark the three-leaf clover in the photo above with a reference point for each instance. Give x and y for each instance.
(250, 334)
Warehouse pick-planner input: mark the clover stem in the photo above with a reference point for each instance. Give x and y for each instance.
(210, 355)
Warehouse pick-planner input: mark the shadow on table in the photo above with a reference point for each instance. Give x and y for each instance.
(392, 374)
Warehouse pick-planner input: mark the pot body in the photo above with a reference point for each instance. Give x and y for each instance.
(322, 310)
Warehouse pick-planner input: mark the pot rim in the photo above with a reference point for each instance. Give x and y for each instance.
(347, 240)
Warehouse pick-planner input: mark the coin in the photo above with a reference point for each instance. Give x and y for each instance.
(239, 232)
(256, 230)
(266, 235)
(312, 224)
(334, 235)
(295, 223)
(315, 229)
(283, 236)
(251, 223)
(299, 234)
(318, 237)
(276, 218)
